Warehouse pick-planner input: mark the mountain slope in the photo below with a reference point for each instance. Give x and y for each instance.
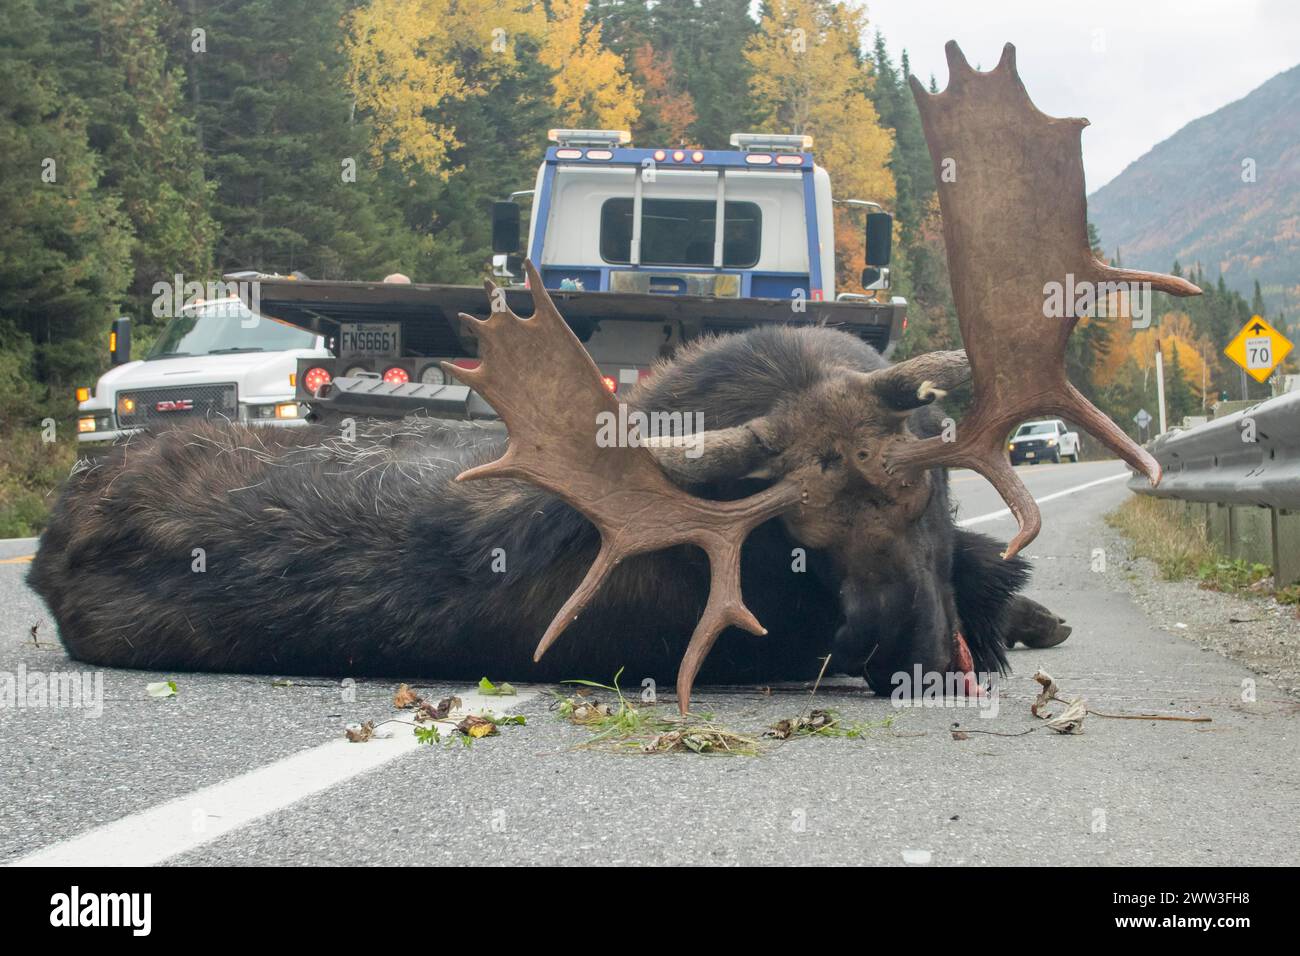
(1186, 199)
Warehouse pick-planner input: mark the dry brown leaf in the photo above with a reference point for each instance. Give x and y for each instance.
(476, 727)
(360, 733)
(404, 697)
(1070, 720)
(960, 735)
(438, 711)
(815, 721)
(1045, 696)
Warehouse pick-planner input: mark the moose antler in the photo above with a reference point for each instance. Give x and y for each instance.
(544, 385)
(1011, 192)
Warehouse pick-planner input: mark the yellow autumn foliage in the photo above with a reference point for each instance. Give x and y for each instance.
(807, 79)
(591, 87)
(412, 61)
(406, 63)
(1175, 333)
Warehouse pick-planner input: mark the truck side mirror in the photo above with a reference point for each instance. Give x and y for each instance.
(119, 341)
(505, 227)
(880, 238)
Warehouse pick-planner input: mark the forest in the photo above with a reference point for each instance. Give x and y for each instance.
(146, 139)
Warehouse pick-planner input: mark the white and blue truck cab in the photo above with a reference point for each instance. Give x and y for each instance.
(643, 249)
(215, 359)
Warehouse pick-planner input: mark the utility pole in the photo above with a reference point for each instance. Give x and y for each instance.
(1160, 387)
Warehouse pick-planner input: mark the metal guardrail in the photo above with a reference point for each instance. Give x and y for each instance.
(1217, 463)
(1244, 492)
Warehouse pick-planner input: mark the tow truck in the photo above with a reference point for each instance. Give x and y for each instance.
(643, 250)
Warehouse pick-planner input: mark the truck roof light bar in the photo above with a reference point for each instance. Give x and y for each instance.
(772, 142)
(589, 137)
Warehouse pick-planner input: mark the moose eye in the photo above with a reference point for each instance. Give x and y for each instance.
(829, 459)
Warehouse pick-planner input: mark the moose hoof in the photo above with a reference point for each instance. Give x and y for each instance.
(1028, 622)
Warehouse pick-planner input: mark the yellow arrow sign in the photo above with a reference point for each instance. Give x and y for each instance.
(1258, 348)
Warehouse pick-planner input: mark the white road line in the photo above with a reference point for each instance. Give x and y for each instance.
(179, 825)
(1005, 512)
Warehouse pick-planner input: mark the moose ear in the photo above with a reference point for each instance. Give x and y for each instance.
(718, 455)
(918, 381)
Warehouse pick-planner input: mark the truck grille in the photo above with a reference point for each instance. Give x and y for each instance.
(155, 406)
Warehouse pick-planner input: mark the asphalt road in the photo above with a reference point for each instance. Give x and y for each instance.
(236, 770)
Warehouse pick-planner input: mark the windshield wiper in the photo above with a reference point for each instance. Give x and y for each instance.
(230, 350)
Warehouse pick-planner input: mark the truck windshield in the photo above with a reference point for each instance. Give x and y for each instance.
(1037, 428)
(225, 327)
(679, 232)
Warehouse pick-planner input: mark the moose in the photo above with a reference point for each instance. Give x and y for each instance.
(442, 549)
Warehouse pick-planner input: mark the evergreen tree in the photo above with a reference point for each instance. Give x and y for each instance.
(65, 245)
(277, 122)
(113, 53)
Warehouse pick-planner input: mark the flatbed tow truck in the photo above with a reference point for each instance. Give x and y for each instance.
(643, 250)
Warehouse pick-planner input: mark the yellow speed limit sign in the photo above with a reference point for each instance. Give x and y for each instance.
(1258, 348)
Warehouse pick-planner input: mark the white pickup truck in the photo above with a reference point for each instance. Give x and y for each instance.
(216, 359)
(1047, 440)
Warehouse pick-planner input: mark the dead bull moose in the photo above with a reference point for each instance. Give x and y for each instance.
(371, 557)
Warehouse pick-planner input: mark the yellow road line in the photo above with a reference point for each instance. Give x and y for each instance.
(19, 560)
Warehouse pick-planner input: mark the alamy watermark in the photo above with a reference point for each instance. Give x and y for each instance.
(922, 688)
(1087, 299)
(238, 299)
(78, 690)
(630, 428)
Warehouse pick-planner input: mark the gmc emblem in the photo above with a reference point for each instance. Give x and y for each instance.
(180, 405)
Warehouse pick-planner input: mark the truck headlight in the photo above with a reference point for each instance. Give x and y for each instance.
(1051, 442)
(286, 410)
(86, 424)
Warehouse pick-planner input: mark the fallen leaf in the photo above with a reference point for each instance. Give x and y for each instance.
(503, 689)
(476, 727)
(1071, 719)
(360, 733)
(405, 697)
(166, 688)
(1045, 696)
(438, 711)
(815, 721)
(960, 735)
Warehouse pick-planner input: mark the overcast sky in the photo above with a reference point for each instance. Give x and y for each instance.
(1138, 69)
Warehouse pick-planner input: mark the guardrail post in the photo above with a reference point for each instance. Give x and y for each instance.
(1286, 548)
(1251, 535)
(1220, 527)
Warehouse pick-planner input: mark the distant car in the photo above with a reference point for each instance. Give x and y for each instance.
(1048, 440)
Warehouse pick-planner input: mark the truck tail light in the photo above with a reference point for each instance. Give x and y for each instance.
(397, 376)
(697, 156)
(789, 159)
(610, 382)
(314, 378)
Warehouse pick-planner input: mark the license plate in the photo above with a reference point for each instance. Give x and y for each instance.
(1029, 454)
(370, 340)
